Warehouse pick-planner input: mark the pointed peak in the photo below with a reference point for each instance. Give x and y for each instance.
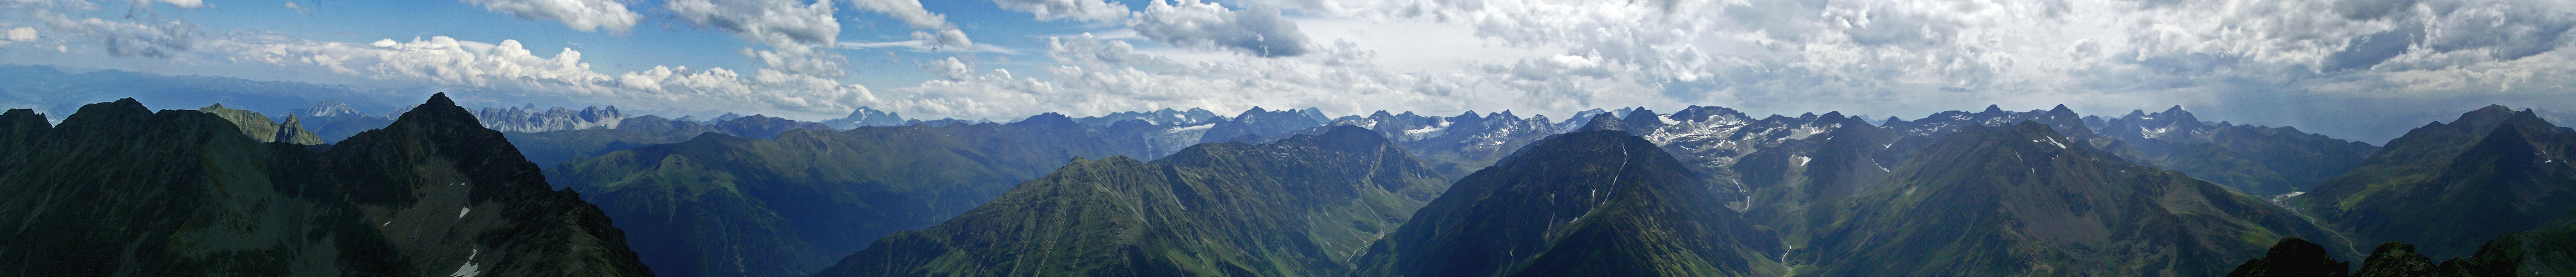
(1603, 121)
(2061, 110)
(1991, 108)
(441, 99)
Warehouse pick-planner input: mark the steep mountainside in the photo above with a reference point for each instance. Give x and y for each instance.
(260, 129)
(1599, 202)
(2257, 160)
(119, 190)
(1299, 207)
(2448, 187)
(718, 205)
(2022, 200)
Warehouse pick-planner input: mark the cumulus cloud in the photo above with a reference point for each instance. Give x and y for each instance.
(22, 34)
(909, 11)
(584, 15)
(777, 23)
(1258, 31)
(298, 8)
(1083, 10)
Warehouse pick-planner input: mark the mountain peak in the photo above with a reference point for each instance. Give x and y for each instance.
(1603, 121)
(1991, 108)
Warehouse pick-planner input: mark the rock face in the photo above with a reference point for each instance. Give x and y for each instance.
(1602, 203)
(2448, 187)
(865, 116)
(529, 120)
(2023, 200)
(119, 190)
(329, 108)
(260, 129)
(2293, 257)
(1165, 116)
(1298, 207)
(719, 205)
(334, 121)
(1258, 123)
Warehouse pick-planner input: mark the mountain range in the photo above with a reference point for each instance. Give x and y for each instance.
(1594, 202)
(1301, 206)
(432, 189)
(2449, 187)
(118, 189)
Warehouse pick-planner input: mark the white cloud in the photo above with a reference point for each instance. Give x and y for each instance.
(22, 34)
(1084, 10)
(777, 23)
(950, 38)
(584, 15)
(510, 66)
(298, 8)
(1258, 31)
(799, 35)
(176, 3)
(909, 11)
(925, 46)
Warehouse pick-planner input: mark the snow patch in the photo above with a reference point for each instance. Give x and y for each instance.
(469, 269)
(460, 212)
(1802, 160)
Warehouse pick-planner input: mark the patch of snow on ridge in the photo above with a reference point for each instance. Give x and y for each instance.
(469, 269)
(460, 212)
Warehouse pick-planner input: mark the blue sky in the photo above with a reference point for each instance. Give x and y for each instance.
(2363, 69)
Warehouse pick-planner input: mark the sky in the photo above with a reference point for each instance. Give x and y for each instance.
(2356, 69)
